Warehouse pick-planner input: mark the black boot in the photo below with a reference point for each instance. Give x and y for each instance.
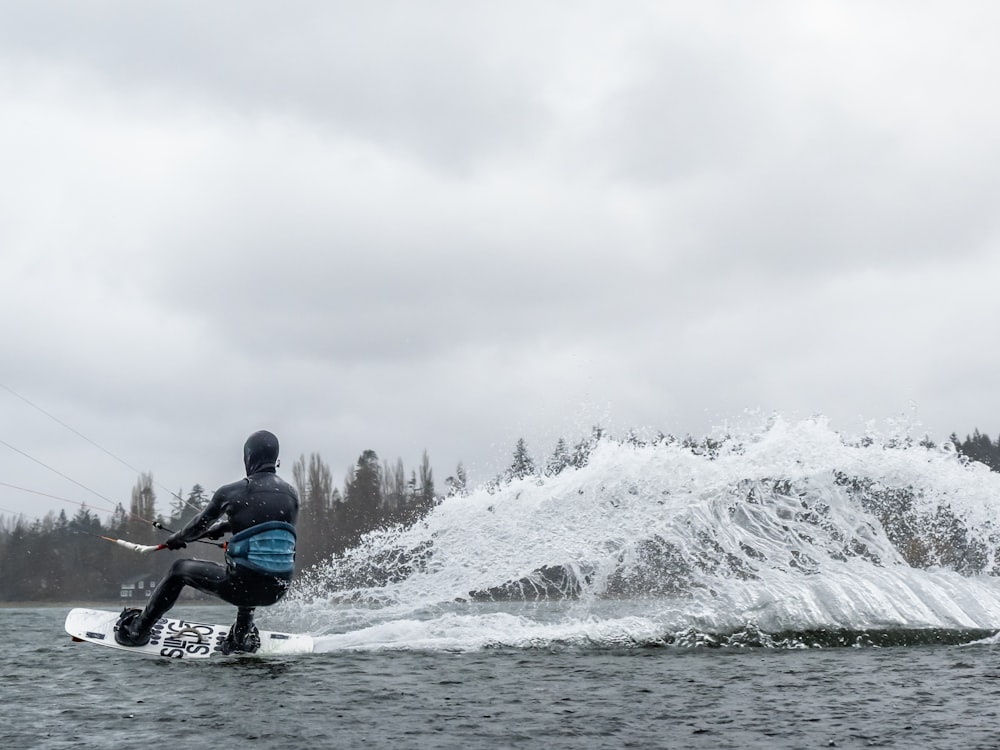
(242, 639)
(243, 636)
(129, 630)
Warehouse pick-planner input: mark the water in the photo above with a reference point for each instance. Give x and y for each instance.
(57, 694)
(785, 588)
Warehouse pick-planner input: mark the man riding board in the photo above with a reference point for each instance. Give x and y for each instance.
(260, 512)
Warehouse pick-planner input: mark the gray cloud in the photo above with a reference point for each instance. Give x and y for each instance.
(448, 225)
(387, 72)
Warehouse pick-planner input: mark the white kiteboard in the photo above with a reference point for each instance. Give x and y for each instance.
(176, 639)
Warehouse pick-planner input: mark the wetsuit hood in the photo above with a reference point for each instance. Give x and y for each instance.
(260, 452)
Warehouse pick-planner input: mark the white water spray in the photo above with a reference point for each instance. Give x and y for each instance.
(789, 529)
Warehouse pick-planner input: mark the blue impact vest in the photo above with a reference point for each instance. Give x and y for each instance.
(267, 548)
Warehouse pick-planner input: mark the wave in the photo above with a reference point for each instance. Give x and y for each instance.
(790, 534)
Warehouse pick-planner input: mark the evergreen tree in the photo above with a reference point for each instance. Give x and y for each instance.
(457, 483)
(177, 506)
(19, 580)
(97, 567)
(362, 497)
(48, 568)
(559, 459)
(183, 510)
(523, 465)
(979, 447)
(583, 449)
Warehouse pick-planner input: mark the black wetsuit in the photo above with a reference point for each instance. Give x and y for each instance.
(260, 498)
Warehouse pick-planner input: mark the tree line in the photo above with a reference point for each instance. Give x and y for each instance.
(61, 557)
(979, 447)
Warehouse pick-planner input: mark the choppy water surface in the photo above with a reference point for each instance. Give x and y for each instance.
(57, 694)
(784, 587)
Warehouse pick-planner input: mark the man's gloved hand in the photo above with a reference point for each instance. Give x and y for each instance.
(175, 542)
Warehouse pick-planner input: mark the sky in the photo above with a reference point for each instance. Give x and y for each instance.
(443, 225)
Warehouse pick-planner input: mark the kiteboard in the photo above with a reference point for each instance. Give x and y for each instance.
(176, 639)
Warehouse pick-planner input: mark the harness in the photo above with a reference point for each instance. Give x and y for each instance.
(267, 548)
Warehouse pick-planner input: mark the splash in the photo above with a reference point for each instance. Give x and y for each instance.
(788, 535)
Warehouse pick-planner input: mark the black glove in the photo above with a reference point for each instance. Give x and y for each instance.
(175, 542)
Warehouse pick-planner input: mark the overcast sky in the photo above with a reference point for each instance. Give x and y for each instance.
(446, 225)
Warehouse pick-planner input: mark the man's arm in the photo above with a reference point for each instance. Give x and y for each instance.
(217, 530)
(198, 526)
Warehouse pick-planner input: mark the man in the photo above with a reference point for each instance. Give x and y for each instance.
(260, 512)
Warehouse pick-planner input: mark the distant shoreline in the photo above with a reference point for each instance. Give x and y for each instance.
(53, 605)
(102, 604)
